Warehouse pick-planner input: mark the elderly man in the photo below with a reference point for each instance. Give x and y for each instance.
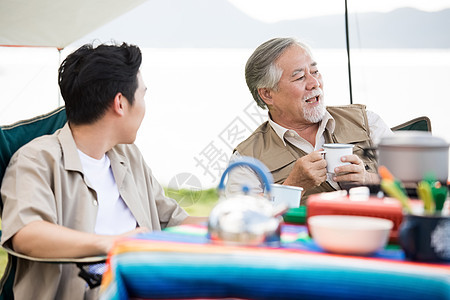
(74, 193)
(283, 76)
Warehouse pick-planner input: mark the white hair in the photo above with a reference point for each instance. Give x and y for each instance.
(261, 71)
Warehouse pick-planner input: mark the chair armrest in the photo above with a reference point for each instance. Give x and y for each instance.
(82, 260)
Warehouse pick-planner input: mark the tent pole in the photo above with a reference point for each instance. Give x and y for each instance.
(348, 53)
(59, 63)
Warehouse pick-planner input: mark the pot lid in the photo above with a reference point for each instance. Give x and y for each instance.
(414, 139)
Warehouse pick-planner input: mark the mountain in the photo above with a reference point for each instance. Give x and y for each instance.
(403, 28)
(218, 24)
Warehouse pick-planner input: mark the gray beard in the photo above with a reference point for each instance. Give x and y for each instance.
(315, 115)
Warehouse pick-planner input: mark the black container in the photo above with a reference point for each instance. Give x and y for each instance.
(425, 238)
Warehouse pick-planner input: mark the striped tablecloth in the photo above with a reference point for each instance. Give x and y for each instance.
(180, 263)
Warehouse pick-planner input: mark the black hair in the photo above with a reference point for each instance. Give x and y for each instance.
(90, 78)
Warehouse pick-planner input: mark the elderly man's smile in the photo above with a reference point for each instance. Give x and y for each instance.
(313, 97)
(312, 100)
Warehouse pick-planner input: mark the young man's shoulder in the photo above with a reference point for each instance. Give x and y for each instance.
(43, 145)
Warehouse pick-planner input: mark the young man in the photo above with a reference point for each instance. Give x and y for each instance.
(73, 193)
(283, 76)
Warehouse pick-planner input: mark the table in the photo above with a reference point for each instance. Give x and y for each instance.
(181, 263)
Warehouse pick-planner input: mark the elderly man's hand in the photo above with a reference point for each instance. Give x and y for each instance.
(309, 171)
(355, 172)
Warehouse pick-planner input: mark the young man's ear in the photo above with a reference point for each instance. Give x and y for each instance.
(118, 105)
(266, 95)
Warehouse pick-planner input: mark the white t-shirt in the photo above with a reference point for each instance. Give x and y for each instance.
(113, 216)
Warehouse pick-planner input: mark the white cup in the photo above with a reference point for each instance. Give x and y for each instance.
(286, 194)
(333, 154)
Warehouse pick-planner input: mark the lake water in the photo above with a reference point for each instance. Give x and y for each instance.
(199, 107)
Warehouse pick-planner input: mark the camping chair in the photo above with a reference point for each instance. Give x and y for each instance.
(12, 137)
(418, 124)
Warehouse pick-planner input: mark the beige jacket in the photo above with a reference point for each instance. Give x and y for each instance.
(45, 181)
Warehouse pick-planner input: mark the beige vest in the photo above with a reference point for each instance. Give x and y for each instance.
(351, 128)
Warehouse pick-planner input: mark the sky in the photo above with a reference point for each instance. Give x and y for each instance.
(273, 11)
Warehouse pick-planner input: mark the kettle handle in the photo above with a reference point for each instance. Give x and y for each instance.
(253, 163)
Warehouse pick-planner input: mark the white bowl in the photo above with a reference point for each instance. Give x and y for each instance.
(355, 235)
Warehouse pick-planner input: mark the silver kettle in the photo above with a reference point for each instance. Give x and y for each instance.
(245, 219)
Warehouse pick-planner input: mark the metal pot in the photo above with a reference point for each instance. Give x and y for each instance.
(411, 155)
(244, 219)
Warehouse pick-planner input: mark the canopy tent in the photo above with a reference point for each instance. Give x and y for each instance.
(49, 23)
